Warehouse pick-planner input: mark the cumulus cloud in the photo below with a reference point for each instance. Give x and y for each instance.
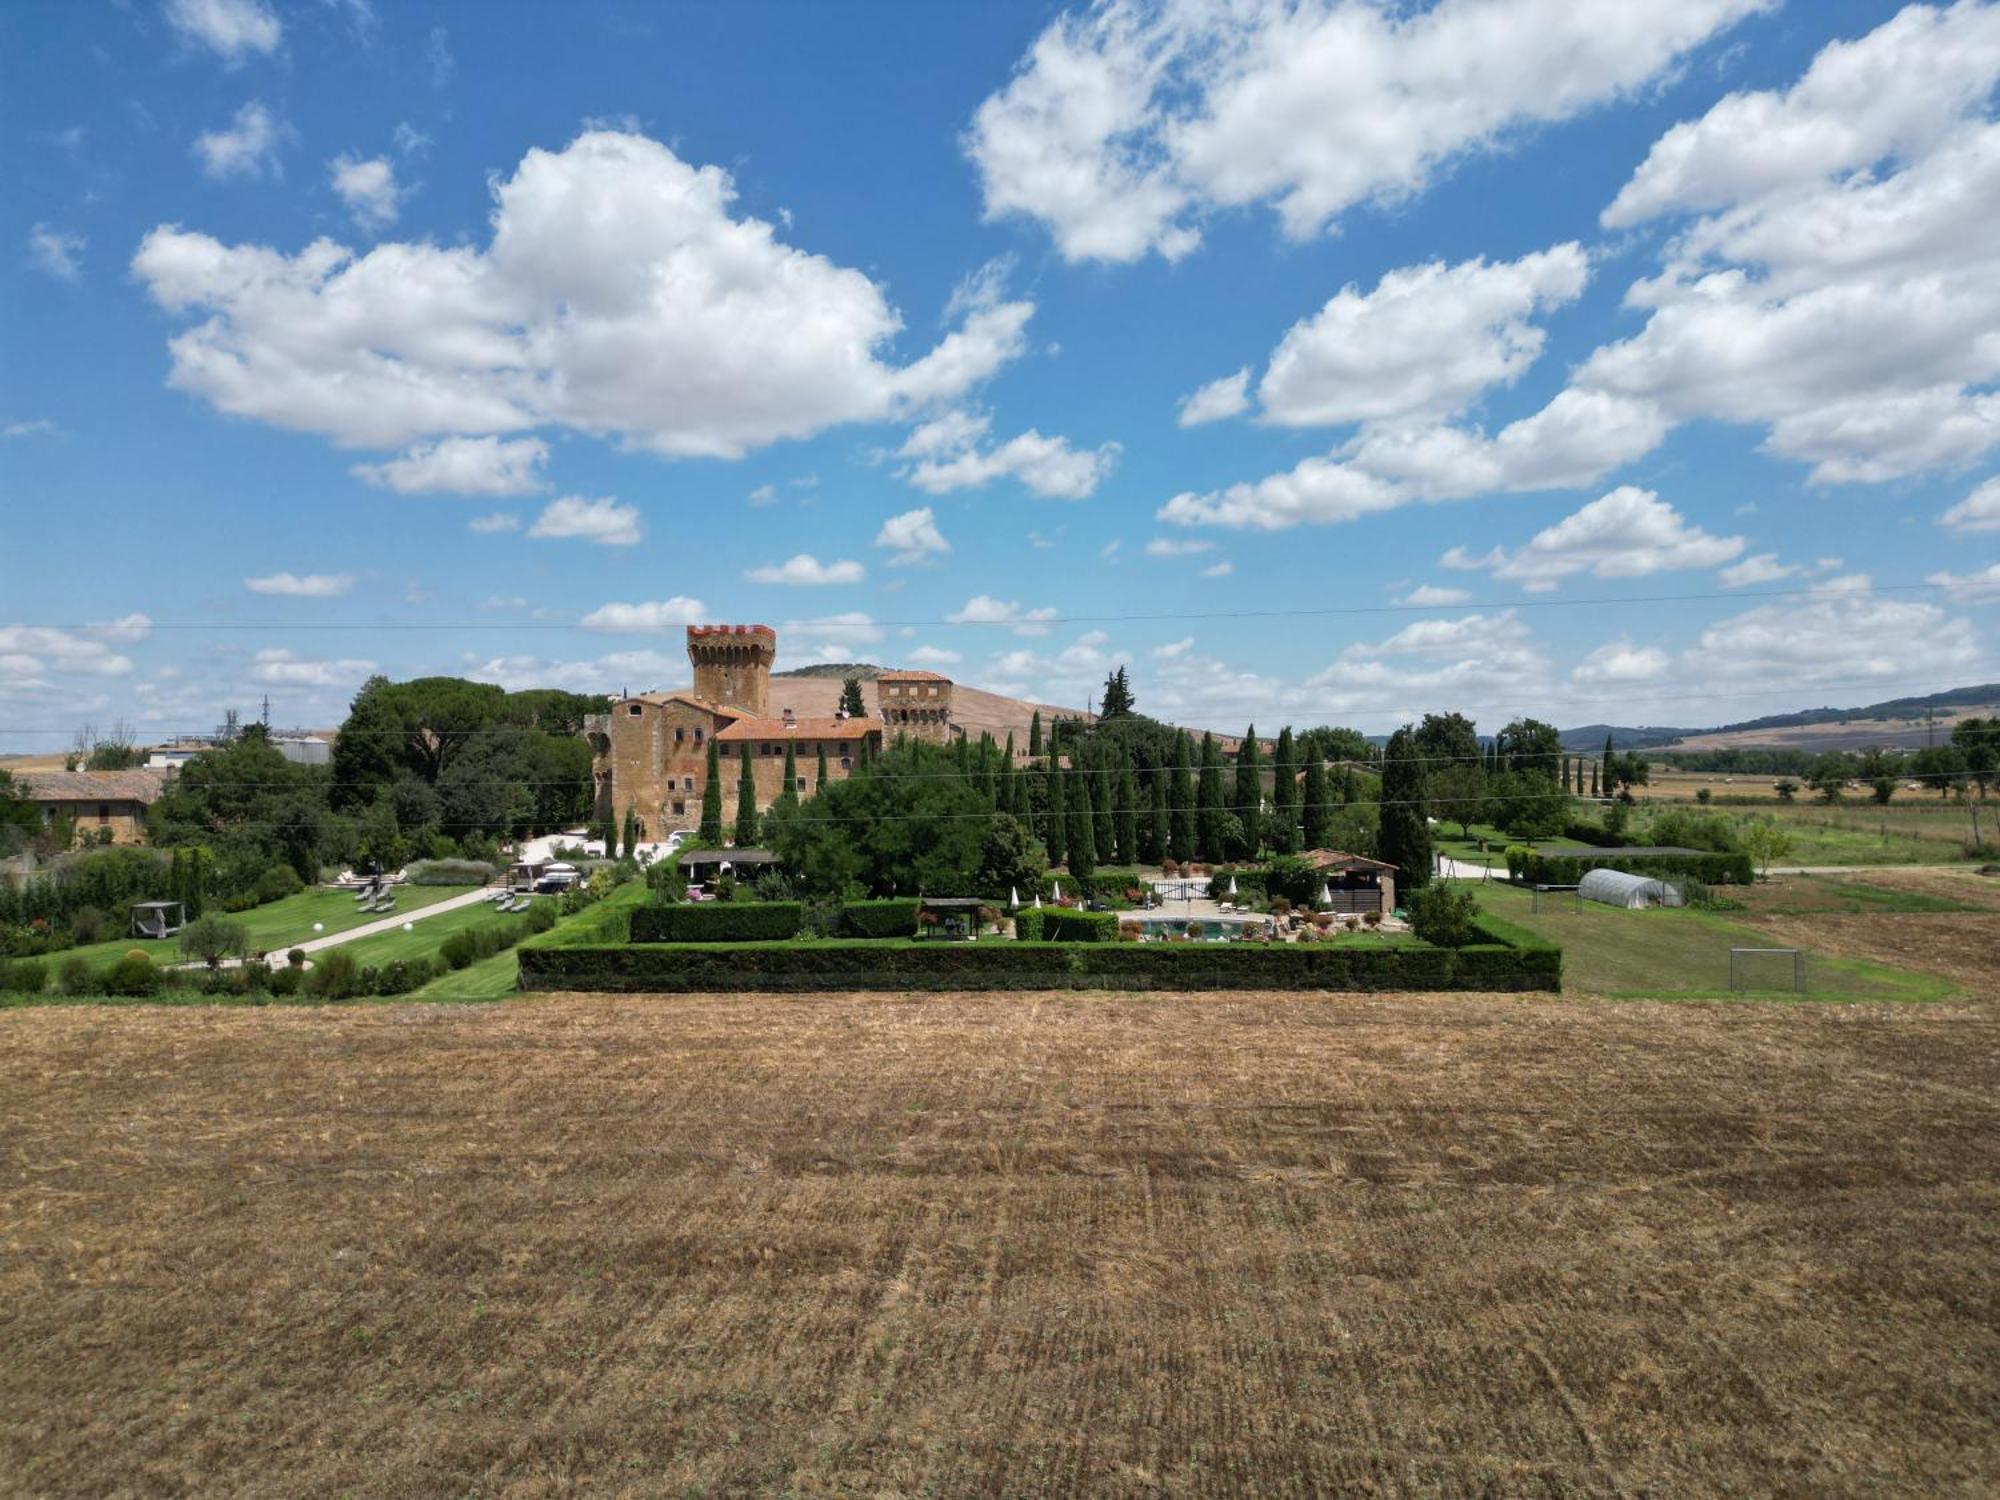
(828, 637)
(28, 653)
(934, 656)
(1619, 662)
(1969, 588)
(1427, 595)
(605, 521)
(983, 609)
(246, 147)
(494, 524)
(231, 29)
(302, 586)
(658, 614)
(1629, 533)
(56, 252)
(912, 537)
(619, 294)
(1169, 546)
(1128, 123)
(462, 466)
(1978, 511)
(281, 667)
(803, 568)
(1218, 570)
(1763, 568)
(951, 453)
(1842, 633)
(1222, 398)
(368, 187)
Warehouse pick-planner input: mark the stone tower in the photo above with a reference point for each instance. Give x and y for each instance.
(732, 665)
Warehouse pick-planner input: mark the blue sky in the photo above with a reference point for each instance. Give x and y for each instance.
(1325, 363)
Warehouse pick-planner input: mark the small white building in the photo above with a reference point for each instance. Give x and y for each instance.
(1620, 888)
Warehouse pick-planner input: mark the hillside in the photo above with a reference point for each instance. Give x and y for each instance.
(1905, 723)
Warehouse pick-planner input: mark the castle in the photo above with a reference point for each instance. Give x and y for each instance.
(650, 752)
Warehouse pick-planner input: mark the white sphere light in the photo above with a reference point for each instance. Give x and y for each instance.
(409, 927)
(319, 927)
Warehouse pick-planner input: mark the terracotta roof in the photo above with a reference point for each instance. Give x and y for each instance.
(1340, 859)
(93, 786)
(911, 675)
(804, 729)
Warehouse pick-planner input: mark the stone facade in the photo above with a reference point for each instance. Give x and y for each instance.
(917, 704)
(732, 665)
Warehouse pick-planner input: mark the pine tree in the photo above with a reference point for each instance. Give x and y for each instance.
(819, 771)
(1315, 812)
(746, 804)
(1126, 819)
(1180, 800)
(851, 702)
(710, 831)
(1247, 796)
(1160, 827)
(1117, 696)
(1055, 828)
(1035, 735)
(1210, 805)
(1284, 794)
(1405, 838)
(1082, 829)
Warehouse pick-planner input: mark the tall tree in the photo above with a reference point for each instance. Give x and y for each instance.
(1247, 799)
(1454, 774)
(1117, 696)
(1211, 805)
(788, 799)
(745, 833)
(710, 829)
(1596, 786)
(819, 770)
(1103, 782)
(1283, 833)
(1055, 824)
(1126, 821)
(1180, 800)
(1035, 735)
(1977, 741)
(1158, 832)
(1404, 839)
(1082, 825)
(1315, 812)
(629, 845)
(851, 702)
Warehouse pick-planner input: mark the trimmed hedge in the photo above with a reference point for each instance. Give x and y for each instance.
(892, 918)
(718, 922)
(1031, 924)
(1538, 867)
(1063, 926)
(606, 921)
(1494, 964)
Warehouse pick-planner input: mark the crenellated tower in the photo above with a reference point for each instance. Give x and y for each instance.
(732, 664)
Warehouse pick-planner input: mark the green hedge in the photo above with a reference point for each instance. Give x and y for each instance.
(1062, 926)
(718, 922)
(1538, 867)
(607, 921)
(1030, 924)
(878, 919)
(871, 965)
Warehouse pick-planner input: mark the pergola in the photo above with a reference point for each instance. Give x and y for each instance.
(957, 916)
(157, 919)
(736, 859)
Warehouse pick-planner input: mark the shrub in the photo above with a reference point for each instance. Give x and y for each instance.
(278, 882)
(1441, 914)
(878, 919)
(90, 924)
(1293, 878)
(1029, 923)
(211, 939)
(25, 976)
(334, 976)
(133, 974)
(717, 922)
(286, 981)
(449, 872)
(1080, 926)
(77, 977)
(457, 950)
(296, 958)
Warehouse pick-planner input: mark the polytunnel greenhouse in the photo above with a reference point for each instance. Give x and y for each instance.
(1619, 888)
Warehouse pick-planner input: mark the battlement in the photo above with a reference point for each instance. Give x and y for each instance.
(732, 664)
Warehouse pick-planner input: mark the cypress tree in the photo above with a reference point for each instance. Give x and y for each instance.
(1127, 818)
(1248, 795)
(1180, 800)
(1103, 783)
(1160, 827)
(631, 839)
(1082, 832)
(819, 771)
(1035, 734)
(789, 797)
(1284, 793)
(1405, 838)
(1055, 827)
(710, 831)
(1313, 797)
(746, 804)
(1595, 784)
(1210, 805)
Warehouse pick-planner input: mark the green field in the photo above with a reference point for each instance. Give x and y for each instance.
(279, 924)
(424, 938)
(1682, 953)
(492, 978)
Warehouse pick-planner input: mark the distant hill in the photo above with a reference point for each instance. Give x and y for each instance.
(1893, 723)
(840, 671)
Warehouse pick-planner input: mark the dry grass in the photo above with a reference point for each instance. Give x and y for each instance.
(1001, 1246)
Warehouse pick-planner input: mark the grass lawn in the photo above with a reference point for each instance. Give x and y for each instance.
(278, 924)
(492, 978)
(1684, 954)
(423, 939)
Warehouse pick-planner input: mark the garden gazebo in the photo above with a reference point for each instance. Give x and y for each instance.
(157, 919)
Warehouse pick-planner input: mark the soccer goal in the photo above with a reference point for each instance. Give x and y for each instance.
(1767, 969)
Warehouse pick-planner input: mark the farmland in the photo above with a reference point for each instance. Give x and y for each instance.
(1001, 1245)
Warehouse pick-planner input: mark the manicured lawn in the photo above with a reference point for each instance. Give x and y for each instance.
(279, 924)
(492, 978)
(424, 938)
(1683, 954)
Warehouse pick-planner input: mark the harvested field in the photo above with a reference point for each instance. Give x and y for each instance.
(1001, 1245)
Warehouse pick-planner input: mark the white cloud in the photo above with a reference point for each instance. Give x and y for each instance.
(605, 521)
(1429, 595)
(912, 537)
(1173, 649)
(1969, 588)
(494, 524)
(1224, 397)
(1428, 665)
(950, 456)
(246, 147)
(1167, 546)
(132, 627)
(764, 494)
(983, 609)
(55, 252)
(1619, 662)
(804, 568)
(828, 637)
(302, 586)
(659, 614)
(934, 656)
(1218, 570)
(1126, 124)
(280, 667)
(617, 296)
(1842, 633)
(232, 29)
(1425, 342)
(1763, 568)
(1629, 533)
(34, 427)
(368, 188)
(462, 466)
(1978, 511)
(29, 651)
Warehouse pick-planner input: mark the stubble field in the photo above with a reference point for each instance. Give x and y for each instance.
(1001, 1245)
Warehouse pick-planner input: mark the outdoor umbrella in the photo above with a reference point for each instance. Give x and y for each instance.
(1013, 897)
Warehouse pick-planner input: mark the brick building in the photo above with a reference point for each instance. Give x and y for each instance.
(651, 749)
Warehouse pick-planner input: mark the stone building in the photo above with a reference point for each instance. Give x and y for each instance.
(651, 749)
(96, 802)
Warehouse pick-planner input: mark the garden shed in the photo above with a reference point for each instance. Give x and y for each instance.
(1618, 888)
